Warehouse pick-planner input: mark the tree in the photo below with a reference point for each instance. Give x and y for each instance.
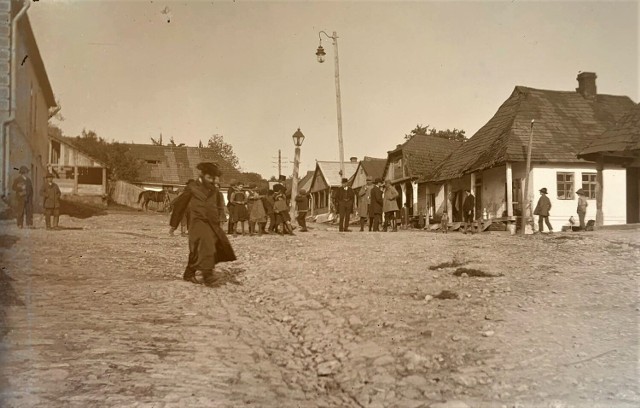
(122, 166)
(224, 149)
(451, 134)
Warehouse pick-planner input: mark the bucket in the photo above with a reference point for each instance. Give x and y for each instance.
(512, 229)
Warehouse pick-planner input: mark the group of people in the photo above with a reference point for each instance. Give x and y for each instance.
(259, 208)
(543, 209)
(375, 199)
(23, 193)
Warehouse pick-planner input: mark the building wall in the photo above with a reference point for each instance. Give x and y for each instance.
(360, 178)
(28, 139)
(614, 203)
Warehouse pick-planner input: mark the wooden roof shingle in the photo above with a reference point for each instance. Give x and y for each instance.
(623, 137)
(423, 154)
(564, 123)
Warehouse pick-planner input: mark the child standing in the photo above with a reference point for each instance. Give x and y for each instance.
(281, 210)
(257, 215)
(239, 209)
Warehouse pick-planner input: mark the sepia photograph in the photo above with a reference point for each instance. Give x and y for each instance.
(318, 204)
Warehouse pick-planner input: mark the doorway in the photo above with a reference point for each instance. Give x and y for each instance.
(633, 195)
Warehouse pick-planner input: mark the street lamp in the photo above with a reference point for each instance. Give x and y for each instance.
(320, 54)
(298, 138)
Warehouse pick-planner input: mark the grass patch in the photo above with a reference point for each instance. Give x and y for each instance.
(446, 294)
(476, 273)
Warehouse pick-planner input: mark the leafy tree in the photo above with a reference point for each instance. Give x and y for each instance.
(451, 134)
(122, 166)
(224, 149)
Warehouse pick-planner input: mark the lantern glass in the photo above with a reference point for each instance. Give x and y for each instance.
(298, 138)
(320, 54)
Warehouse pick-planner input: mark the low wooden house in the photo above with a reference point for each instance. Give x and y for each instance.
(409, 167)
(326, 179)
(79, 176)
(619, 146)
(492, 162)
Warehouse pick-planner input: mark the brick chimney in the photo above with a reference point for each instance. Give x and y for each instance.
(354, 159)
(587, 84)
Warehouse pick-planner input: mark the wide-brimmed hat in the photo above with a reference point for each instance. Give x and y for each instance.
(345, 180)
(209, 168)
(581, 192)
(49, 176)
(378, 180)
(23, 170)
(543, 190)
(282, 178)
(369, 178)
(303, 191)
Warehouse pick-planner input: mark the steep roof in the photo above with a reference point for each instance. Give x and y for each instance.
(305, 182)
(423, 154)
(623, 137)
(373, 167)
(329, 172)
(176, 165)
(564, 123)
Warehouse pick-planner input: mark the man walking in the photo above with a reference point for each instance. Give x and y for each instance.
(23, 189)
(542, 210)
(582, 207)
(468, 209)
(51, 195)
(375, 206)
(344, 204)
(364, 200)
(208, 244)
(302, 205)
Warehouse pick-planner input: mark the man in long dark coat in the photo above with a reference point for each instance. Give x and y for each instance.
(23, 189)
(344, 203)
(468, 209)
(542, 210)
(375, 206)
(208, 244)
(51, 194)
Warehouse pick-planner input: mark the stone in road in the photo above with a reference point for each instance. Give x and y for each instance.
(99, 317)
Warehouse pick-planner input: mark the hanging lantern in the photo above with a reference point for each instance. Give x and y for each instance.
(320, 54)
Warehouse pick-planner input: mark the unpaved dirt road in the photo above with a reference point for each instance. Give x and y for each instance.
(98, 316)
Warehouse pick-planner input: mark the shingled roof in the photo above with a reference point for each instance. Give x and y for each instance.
(171, 165)
(564, 123)
(373, 167)
(623, 138)
(423, 153)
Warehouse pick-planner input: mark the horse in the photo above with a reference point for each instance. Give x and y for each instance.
(155, 196)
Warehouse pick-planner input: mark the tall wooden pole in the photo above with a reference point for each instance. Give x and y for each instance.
(294, 182)
(339, 105)
(509, 177)
(527, 202)
(279, 164)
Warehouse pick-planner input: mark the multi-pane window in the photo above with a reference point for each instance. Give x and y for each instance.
(589, 184)
(565, 186)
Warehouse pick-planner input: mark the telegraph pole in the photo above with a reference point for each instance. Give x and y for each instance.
(527, 199)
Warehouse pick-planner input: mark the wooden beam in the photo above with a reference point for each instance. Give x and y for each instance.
(104, 180)
(75, 179)
(599, 191)
(509, 175)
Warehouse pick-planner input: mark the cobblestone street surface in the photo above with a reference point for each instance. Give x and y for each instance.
(97, 315)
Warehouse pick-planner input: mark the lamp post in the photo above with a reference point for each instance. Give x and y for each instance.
(298, 138)
(321, 57)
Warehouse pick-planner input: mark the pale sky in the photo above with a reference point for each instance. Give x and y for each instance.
(248, 70)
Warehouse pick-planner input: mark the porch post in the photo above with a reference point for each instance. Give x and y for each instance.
(509, 175)
(599, 191)
(104, 180)
(414, 185)
(403, 186)
(447, 197)
(75, 179)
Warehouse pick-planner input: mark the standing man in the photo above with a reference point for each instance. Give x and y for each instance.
(230, 193)
(542, 210)
(24, 197)
(468, 209)
(51, 195)
(364, 200)
(582, 207)
(208, 244)
(390, 206)
(375, 206)
(302, 205)
(344, 203)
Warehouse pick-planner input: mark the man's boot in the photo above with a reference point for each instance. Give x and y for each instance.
(361, 224)
(47, 220)
(394, 223)
(190, 276)
(56, 220)
(211, 279)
